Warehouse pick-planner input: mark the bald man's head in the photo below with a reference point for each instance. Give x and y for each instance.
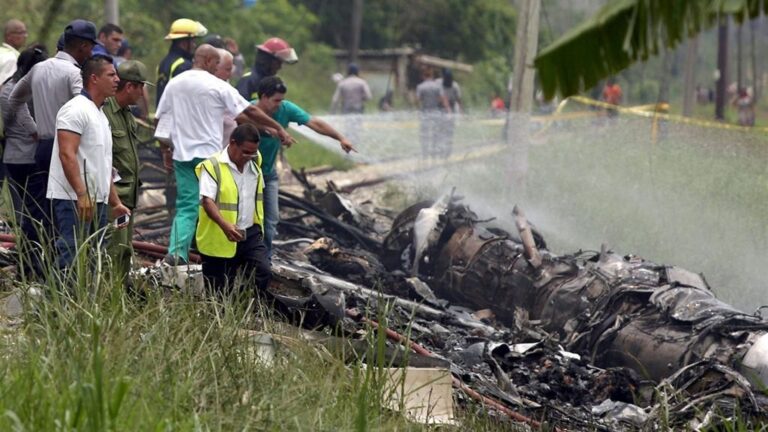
(226, 63)
(207, 58)
(15, 33)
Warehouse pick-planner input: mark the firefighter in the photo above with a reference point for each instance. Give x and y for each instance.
(179, 59)
(270, 57)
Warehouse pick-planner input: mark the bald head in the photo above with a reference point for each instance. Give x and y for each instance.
(224, 71)
(207, 58)
(15, 33)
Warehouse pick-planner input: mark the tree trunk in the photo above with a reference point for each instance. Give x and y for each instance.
(754, 28)
(526, 45)
(689, 75)
(722, 68)
(521, 97)
(739, 56)
(356, 27)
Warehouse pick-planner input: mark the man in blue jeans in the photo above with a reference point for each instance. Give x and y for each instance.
(80, 183)
(49, 85)
(272, 101)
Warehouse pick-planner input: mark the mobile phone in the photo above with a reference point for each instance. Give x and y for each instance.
(121, 220)
(242, 233)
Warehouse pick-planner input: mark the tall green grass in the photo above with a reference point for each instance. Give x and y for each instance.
(90, 357)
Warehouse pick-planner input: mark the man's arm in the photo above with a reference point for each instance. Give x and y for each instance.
(366, 91)
(21, 94)
(69, 142)
(118, 209)
(230, 229)
(324, 128)
(254, 114)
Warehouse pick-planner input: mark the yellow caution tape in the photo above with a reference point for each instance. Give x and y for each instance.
(642, 111)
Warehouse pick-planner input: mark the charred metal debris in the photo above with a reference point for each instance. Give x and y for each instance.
(589, 340)
(586, 341)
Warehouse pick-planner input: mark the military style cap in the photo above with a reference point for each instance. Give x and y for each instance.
(132, 70)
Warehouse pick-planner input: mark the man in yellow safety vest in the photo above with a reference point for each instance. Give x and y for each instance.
(231, 215)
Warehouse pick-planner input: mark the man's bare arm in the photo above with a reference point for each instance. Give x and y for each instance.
(324, 128)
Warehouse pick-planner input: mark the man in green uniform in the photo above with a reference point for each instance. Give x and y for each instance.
(125, 156)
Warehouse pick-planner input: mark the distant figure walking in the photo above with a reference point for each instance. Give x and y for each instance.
(451, 100)
(351, 93)
(745, 103)
(612, 94)
(429, 94)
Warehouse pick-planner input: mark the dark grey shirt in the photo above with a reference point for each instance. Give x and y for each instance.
(20, 144)
(50, 84)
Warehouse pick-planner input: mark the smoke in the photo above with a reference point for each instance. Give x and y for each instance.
(696, 197)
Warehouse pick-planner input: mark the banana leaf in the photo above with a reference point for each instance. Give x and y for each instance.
(624, 32)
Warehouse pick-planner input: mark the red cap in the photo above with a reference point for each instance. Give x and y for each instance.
(280, 49)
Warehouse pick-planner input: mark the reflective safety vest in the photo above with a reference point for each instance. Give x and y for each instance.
(211, 239)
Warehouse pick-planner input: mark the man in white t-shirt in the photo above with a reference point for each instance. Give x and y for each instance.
(80, 183)
(193, 106)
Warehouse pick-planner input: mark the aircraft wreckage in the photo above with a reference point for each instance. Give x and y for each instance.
(580, 337)
(590, 340)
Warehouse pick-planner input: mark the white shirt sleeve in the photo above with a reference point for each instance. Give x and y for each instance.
(76, 83)
(234, 103)
(72, 118)
(208, 186)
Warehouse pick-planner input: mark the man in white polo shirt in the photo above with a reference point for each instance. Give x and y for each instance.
(81, 180)
(194, 105)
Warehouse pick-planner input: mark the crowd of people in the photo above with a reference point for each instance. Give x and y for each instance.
(71, 146)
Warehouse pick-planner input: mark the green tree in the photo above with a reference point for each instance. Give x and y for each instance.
(626, 31)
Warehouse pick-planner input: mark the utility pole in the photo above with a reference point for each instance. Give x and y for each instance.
(739, 56)
(722, 68)
(526, 46)
(521, 97)
(356, 27)
(112, 11)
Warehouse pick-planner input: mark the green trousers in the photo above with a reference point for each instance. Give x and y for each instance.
(187, 203)
(120, 249)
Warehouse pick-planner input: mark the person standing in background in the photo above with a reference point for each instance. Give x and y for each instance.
(15, 35)
(351, 94)
(20, 137)
(110, 38)
(270, 57)
(224, 73)
(81, 184)
(125, 157)
(49, 85)
(179, 58)
(238, 60)
(451, 95)
(431, 105)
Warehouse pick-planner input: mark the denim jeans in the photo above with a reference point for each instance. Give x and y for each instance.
(72, 232)
(271, 210)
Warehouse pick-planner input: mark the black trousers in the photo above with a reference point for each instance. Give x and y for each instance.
(250, 260)
(38, 206)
